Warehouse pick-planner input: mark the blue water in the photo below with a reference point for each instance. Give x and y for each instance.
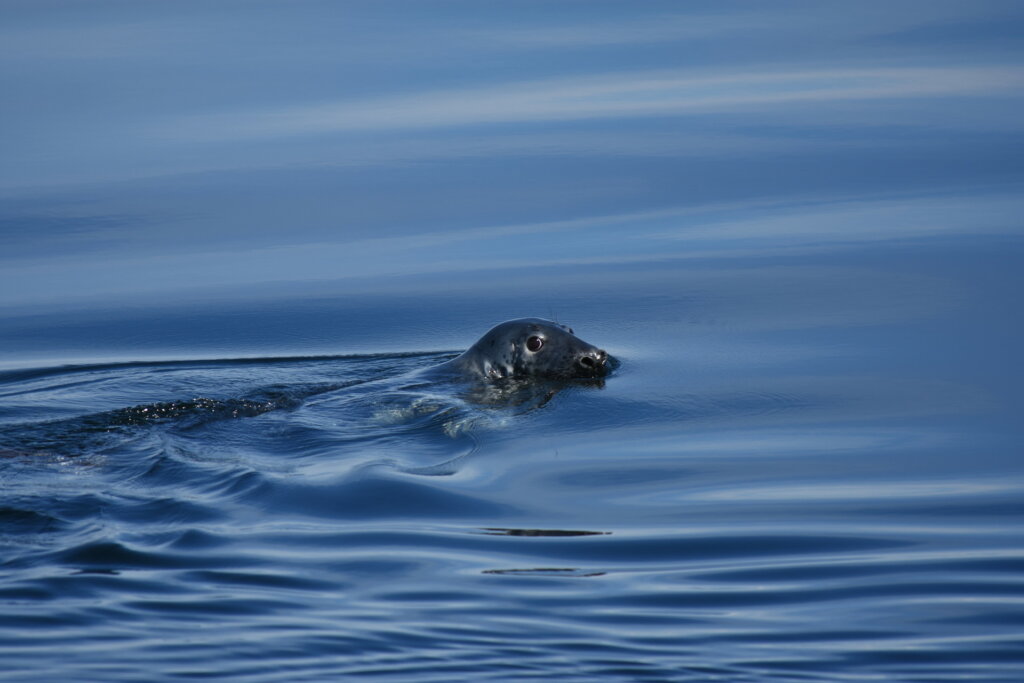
(232, 233)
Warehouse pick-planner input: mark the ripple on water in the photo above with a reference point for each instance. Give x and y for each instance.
(318, 540)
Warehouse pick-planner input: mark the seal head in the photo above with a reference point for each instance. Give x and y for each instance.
(531, 348)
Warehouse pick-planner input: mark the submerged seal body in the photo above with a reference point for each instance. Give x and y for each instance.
(530, 348)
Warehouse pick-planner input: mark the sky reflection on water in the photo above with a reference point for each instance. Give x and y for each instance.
(756, 230)
(363, 142)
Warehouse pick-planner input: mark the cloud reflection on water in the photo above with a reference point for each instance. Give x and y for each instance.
(728, 231)
(637, 94)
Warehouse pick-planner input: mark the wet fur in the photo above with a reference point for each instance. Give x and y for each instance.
(502, 353)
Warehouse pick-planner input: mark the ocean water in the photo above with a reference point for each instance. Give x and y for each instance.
(232, 233)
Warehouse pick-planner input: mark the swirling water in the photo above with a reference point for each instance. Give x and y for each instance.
(219, 460)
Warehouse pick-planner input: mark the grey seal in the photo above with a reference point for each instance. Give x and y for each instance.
(528, 348)
(519, 364)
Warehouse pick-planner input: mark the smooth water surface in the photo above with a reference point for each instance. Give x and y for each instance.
(232, 234)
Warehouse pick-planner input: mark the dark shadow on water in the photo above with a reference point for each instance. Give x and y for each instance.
(498, 531)
(566, 572)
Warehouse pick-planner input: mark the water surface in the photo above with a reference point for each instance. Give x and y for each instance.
(231, 235)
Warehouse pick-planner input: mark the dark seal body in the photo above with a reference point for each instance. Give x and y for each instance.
(530, 348)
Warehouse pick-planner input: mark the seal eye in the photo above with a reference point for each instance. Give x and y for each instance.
(534, 344)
